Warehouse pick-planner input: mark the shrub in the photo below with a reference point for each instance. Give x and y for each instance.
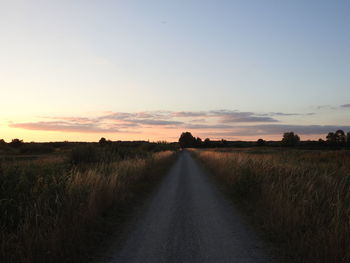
(260, 142)
(16, 143)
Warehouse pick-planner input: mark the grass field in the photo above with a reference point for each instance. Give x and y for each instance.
(50, 203)
(300, 199)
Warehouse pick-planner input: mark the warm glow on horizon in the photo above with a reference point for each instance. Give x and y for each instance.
(160, 126)
(169, 135)
(149, 70)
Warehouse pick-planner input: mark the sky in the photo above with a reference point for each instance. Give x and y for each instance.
(149, 70)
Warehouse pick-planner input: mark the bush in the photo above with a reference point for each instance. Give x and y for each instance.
(16, 143)
(260, 142)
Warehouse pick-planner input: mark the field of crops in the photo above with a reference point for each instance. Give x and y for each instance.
(50, 203)
(300, 199)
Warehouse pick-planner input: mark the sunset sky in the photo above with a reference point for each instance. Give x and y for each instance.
(139, 70)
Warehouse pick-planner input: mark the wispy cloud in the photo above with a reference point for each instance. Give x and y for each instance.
(246, 117)
(325, 107)
(281, 128)
(187, 114)
(64, 127)
(155, 122)
(290, 114)
(331, 107)
(220, 122)
(276, 129)
(206, 126)
(154, 115)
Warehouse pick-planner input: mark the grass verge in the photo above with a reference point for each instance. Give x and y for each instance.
(49, 214)
(300, 199)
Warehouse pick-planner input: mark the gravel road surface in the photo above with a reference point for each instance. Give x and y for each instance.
(188, 219)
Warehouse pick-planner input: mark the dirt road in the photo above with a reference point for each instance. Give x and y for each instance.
(189, 220)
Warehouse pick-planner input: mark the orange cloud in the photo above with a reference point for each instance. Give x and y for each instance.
(167, 125)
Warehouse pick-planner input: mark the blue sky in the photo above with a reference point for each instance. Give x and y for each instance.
(86, 59)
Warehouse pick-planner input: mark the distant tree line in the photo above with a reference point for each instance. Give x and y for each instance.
(187, 140)
(123, 148)
(289, 139)
(335, 139)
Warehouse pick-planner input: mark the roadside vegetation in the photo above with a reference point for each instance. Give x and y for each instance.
(52, 196)
(334, 140)
(299, 198)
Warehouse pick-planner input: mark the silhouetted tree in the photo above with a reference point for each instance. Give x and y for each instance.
(331, 138)
(102, 141)
(16, 143)
(290, 139)
(260, 142)
(186, 140)
(224, 143)
(340, 137)
(206, 142)
(198, 142)
(337, 138)
(2, 142)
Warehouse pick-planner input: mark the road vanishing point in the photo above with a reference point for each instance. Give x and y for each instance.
(186, 220)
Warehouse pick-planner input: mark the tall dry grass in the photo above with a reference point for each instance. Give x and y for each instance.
(51, 221)
(301, 199)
